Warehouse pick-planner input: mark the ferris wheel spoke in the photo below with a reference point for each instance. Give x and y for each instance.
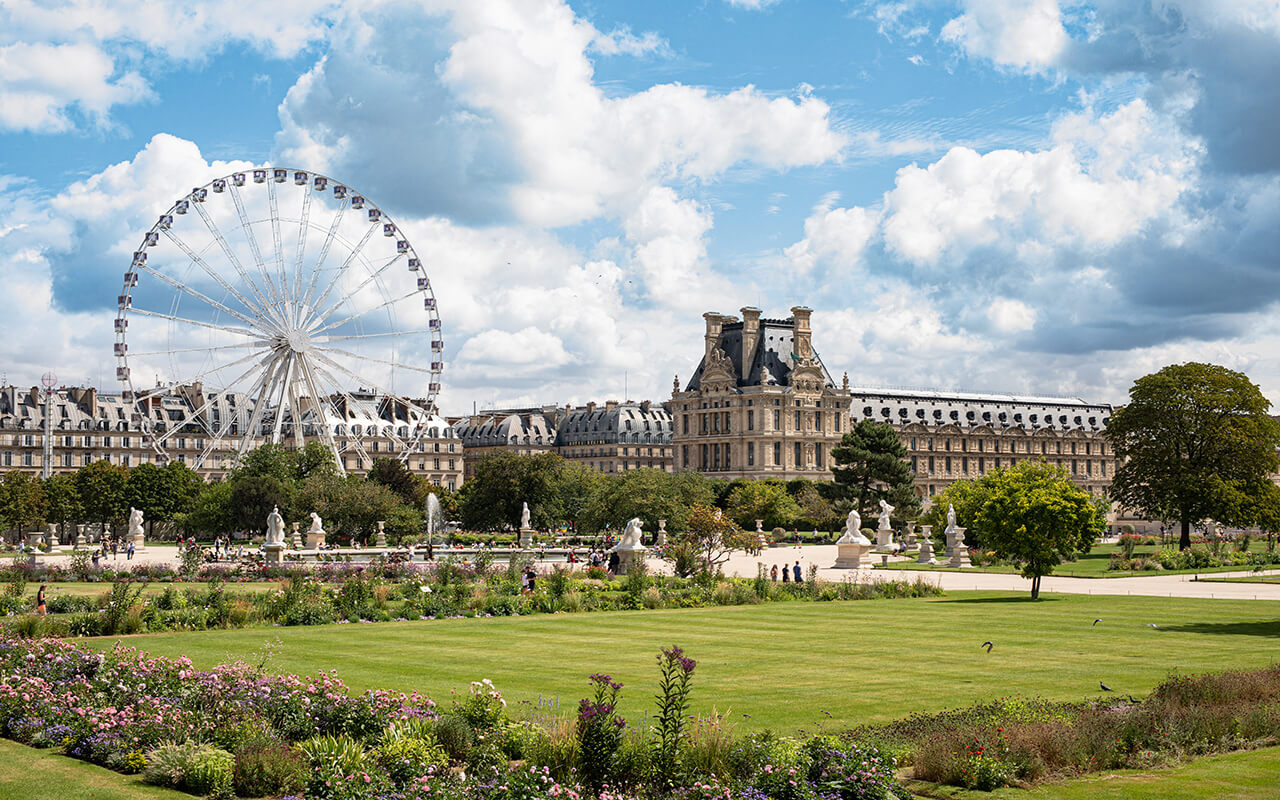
(260, 406)
(319, 400)
(359, 314)
(303, 224)
(209, 349)
(324, 254)
(359, 357)
(284, 400)
(182, 287)
(190, 416)
(327, 339)
(347, 262)
(252, 307)
(249, 236)
(351, 405)
(373, 385)
(264, 303)
(283, 286)
(187, 320)
(323, 315)
(404, 444)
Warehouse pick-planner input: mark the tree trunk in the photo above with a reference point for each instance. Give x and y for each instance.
(1184, 542)
(1035, 588)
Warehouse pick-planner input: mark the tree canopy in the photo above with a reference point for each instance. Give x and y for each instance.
(872, 464)
(1195, 442)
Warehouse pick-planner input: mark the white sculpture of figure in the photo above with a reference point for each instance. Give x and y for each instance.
(853, 530)
(275, 529)
(631, 535)
(316, 525)
(135, 522)
(524, 517)
(885, 511)
(951, 516)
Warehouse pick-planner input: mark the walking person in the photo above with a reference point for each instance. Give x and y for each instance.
(773, 573)
(799, 573)
(786, 573)
(128, 556)
(40, 608)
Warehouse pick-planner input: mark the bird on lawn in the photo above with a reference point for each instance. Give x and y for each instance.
(1096, 621)
(1105, 687)
(1152, 624)
(987, 645)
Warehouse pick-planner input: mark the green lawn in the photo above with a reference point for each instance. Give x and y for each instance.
(784, 664)
(1250, 775)
(30, 774)
(79, 589)
(1091, 565)
(1269, 578)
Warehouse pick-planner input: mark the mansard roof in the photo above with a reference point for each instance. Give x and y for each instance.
(771, 364)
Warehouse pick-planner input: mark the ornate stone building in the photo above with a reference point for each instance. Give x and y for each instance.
(617, 437)
(89, 426)
(955, 435)
(760, 403)
(524, 431)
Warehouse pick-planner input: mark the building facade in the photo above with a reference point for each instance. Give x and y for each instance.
(523, 431)
(956, 435)
(88, 426)
(760, 403)
(617, 437)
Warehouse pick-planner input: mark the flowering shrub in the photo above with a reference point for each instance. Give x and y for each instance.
(599, 732)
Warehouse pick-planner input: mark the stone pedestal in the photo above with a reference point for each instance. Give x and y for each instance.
(272, 553)
(295, 540)
(526, 538)
(951, 541)
(139, 541)
(909, 538)
(884, 539)
(315, 539)
(661, 537)
(81, 541)
(926, 551)
(628, 557)
(959, 551)
(851, 550)
(52, 537)
(381, 540)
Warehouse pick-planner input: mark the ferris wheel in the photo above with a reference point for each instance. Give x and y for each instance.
(278, 305)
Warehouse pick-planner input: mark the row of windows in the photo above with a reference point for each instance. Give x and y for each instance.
(719, 421)
(929, 466)
(994, 446)
(1001, 416)
(717, 457)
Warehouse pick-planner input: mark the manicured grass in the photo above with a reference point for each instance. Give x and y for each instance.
(1249, 775)
(787, 665)
(1091, 565)
(1269, 578)
(30, 774)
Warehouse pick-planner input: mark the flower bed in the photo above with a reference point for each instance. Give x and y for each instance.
(385, 592)
(233, 730)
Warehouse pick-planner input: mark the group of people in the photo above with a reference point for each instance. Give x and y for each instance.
(789, 574)
(112, 546)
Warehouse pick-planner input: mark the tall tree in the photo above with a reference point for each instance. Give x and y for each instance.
(63, 499)
(1034, 516)
(102, 491)
(767, 501)
(393, 474)
(871, 464)
(1194, 442)
(23, 500)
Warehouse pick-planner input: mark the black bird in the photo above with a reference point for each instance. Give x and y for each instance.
(1096, 621)
(987, 645)
(1105, 687)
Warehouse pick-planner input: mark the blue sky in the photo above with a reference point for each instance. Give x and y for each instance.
(1011, 195)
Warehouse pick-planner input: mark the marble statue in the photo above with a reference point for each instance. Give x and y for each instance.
(853, 530)
(524, 517)
(316, 525)
(135, 523)
(275, 529)
(951, 516)
(885, 511)
(631, 534)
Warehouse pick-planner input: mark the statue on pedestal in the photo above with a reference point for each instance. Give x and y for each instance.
(852, 546)
(524, 517)
(135, 528)
(315, 534)
(630, 548)
(275, 529)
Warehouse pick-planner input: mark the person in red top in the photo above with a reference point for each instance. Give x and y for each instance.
(40, 609)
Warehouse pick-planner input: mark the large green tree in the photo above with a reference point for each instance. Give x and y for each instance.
(871, 464)
(62, 499)
(651, 495)
(767, 501)
(493, 496)
(1033, 516)
(161, 493)
(1194, 442)
(102, 491)
(22, 500)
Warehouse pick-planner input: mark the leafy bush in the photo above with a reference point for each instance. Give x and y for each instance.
(454, 734)
(196, 768)
(268, 769)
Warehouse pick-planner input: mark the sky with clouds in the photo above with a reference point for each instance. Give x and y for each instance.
(1035, 196)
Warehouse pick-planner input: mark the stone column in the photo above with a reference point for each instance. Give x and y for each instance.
(296, 538)
(926, 546)
(960, 551)
(662, 533)
(80, 540)
(381, 540)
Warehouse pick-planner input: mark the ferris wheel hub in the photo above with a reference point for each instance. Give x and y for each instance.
(298, 340)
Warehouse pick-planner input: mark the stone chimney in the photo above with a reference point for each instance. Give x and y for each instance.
(750, 338)
(610, 405)
(645, 406)
(802, 335)
(591, 406)
(715, 325)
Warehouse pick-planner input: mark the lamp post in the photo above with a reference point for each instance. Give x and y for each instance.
(48, 380)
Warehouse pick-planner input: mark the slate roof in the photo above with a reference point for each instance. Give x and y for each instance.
(772, 361)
